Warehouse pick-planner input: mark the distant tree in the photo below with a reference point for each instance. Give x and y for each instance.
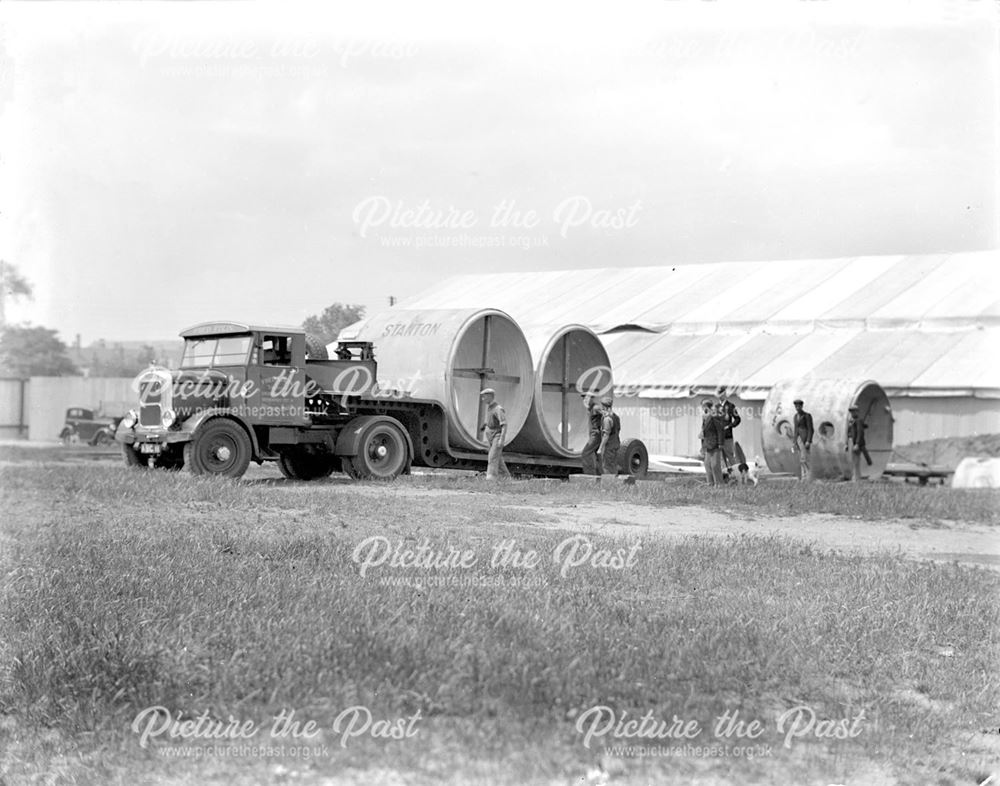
(327, 326)
(12, 285)
(119, 363)
(145, 356)
(27, 351)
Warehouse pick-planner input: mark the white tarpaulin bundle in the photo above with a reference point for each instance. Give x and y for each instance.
(977, 473)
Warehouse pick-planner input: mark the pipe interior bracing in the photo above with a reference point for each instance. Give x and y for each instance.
(570, 363)
(447, 357)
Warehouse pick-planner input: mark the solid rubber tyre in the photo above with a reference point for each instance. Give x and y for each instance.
(220, 447)
(633, 458)
(383, 453)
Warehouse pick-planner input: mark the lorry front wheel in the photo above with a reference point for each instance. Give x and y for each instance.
(383, 454)
(220, 447)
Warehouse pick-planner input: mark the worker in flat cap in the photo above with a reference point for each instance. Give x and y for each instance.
(732, 419)
(592, 463)
(713, 434)
(495, 429)
(611, 426)
(856, 441)
(802, 437)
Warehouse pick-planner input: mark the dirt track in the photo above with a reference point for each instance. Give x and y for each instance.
(943, 541)
(947, 542)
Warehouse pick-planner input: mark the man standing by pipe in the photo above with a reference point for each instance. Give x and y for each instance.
(611, 426)
(802, 435)
(496, 432)
(732, 419)
(713, 434)
(856, 442)
(590, 458)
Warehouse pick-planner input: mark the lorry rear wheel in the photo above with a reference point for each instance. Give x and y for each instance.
(220, 447)
(302, 465)
(633, 459)
(383, 454)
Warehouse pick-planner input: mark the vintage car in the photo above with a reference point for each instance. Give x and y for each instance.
(82, 426)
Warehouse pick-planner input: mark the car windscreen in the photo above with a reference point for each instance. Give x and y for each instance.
(221, 351)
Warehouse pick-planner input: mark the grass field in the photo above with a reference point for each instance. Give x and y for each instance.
(127, 590)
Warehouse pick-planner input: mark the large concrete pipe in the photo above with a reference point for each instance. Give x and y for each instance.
(569, 362)
(828, 402)
(447, 357)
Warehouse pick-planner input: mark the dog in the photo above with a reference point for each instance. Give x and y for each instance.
(750, 473)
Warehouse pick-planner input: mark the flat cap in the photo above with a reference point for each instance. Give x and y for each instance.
(607, 401)
(797, 401)
(484, 391)
(854, 408)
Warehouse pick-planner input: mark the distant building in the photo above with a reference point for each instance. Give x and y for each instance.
(104, 358)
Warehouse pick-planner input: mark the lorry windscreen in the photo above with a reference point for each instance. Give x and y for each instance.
(216, 351)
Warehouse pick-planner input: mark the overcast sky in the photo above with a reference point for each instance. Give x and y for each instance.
(166, 164)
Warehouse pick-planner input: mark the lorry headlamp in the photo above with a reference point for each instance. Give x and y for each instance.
(130, 419)
(168, 418)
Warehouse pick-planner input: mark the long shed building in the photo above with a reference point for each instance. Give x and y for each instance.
(926, 328)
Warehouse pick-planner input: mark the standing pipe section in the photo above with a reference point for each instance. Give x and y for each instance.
(829, 402)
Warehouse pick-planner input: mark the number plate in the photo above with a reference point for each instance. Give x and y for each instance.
(148, 447)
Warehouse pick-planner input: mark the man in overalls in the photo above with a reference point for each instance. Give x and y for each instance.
(611, 426)
(589, 457)
(495, 429)
(856, 442)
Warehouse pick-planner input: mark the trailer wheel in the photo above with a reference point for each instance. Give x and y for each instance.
(633, 459)
(220, 447)
(302, 465)
(316, 349)
(383, 454)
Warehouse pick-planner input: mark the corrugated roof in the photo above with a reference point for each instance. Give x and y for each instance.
(909, 322)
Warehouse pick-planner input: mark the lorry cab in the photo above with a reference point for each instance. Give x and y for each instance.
(249, 392)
